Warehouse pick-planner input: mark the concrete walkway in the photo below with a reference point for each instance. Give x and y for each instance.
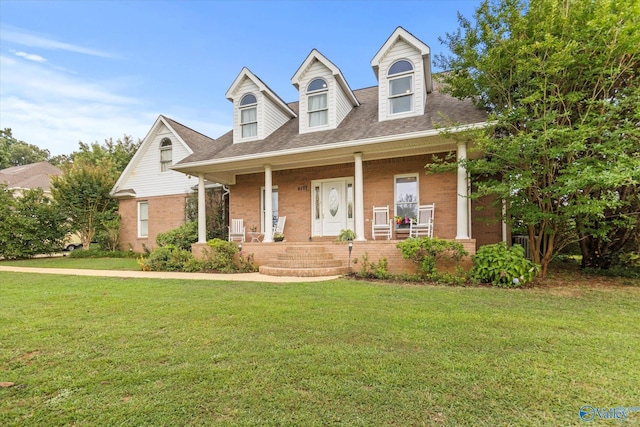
(239, 277)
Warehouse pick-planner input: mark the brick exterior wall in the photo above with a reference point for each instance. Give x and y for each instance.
(165, 213)
(486, 225)
(295, 190)
(374, 250)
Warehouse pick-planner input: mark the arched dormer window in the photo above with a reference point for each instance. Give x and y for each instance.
(165, 154)
(249, 116)
(400, 77)
(317, 103)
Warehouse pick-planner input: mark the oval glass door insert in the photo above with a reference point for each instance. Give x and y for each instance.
(334, 203)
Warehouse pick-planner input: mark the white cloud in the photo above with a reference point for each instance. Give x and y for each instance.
(53, 107)
(55, 110)
(32, 40)
(29, 56)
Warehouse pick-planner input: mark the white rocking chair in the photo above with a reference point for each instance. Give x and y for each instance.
(381, 224)
(279, 228)
(237, 230)
(424, 224)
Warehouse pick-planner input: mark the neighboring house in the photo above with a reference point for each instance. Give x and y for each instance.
(325, 160)
(152, 196)
(26, 177)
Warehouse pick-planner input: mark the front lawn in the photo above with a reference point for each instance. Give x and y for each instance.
(127, 264)
(106, 351)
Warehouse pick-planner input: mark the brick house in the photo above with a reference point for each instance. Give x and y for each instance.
(326, 159)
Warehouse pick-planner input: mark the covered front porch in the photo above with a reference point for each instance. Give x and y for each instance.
(335, 188)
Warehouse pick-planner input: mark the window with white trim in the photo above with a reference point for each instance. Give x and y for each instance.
(249, 116)
(317, 103)
(143, 219)
(165, 154)
(406, 199)
(400, 77)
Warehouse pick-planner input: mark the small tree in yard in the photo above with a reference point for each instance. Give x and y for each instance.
(560, 79)
(82, 195)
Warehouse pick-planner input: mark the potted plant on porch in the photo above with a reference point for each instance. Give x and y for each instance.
(278, 237)
(346, 235)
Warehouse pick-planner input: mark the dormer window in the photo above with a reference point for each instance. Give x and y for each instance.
(165, 154)
(317, 103)
(400, 77)
(249, 116)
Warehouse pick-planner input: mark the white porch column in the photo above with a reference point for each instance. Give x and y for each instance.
(202, 213)
(359, 197)
(268, 204)
(462, 217)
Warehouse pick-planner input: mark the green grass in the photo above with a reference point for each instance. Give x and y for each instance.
(81, 263)
(104, 351)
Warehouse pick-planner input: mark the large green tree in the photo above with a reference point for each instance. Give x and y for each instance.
(119, 152)
(14, 152)
(560, 79)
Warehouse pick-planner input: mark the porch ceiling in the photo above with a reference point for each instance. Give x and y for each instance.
(224, 171)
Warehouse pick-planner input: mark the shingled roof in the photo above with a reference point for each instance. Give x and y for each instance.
(360, 124)
(195, 140)
(34, 175)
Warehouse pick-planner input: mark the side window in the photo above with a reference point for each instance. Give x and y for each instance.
(400, 77)
(249, 116)
(317, 103)
(406, 199)
(143, 219)
(165, 154)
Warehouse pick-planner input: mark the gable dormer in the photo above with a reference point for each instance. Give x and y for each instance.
(403, 69)
(325, 96)
(257, 110)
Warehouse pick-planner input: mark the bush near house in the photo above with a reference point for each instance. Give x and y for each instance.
(427, 252)
(181, 237)
(503, 266)
(166, 258)
(221, 256)
(30, 224)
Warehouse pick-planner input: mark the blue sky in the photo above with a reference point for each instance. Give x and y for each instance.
(88, 70)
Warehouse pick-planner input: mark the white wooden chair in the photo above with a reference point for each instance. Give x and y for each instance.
(279, 228)
(423, 226)
(381, 224)
(237, 230)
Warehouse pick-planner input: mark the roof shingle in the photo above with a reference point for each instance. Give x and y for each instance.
(360, 124)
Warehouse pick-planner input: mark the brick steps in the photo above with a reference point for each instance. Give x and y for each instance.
(304, 261)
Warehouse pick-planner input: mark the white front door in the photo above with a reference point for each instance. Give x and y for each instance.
(334, 212)
(331, 206)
